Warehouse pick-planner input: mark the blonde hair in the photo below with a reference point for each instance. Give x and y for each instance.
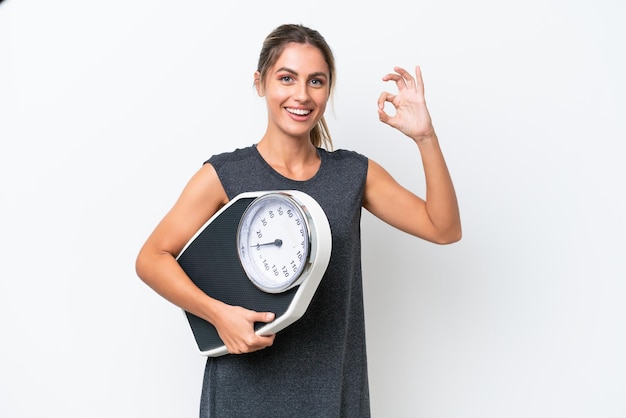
(273, 46)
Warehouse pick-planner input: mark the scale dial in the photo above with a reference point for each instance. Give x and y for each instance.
(273, 241)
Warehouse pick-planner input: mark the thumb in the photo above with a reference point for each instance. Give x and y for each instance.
(264, 317)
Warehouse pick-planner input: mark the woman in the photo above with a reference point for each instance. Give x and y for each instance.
(316, 367)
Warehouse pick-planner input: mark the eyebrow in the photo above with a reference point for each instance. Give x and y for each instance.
(289, 70)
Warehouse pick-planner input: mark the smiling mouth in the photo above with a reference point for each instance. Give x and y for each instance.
(298, 112)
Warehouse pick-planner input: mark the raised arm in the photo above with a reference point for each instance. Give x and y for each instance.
(435, 218)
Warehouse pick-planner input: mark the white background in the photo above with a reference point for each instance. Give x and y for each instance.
(107, 109)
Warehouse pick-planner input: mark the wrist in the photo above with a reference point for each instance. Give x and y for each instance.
(427, 137)
(210, 309)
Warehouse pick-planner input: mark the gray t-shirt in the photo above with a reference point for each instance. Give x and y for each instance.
(317, 366)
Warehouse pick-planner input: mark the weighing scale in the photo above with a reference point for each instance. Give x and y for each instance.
(266, 251)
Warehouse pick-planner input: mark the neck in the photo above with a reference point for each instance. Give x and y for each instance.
(294, 159)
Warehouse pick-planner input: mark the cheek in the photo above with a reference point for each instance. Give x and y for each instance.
(276, 96)
(321, 100)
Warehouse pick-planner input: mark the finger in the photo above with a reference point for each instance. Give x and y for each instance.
(408, 78)
(418, 78)
(252, 343)
(383, 116)
(400, 81)
(385, 97)
(259, 341)
(266, 340)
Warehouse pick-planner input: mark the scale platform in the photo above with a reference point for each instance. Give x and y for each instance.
(211, 261)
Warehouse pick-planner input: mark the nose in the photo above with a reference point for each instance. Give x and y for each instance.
(301, 92)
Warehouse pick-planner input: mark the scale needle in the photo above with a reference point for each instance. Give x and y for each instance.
(276, 242)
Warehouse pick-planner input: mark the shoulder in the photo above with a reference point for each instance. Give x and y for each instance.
(345, 156)
(217, 160)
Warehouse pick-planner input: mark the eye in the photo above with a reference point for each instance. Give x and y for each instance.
(286, 78)
(318, 82)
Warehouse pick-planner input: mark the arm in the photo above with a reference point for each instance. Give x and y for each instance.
(156, 265)
(437, 218)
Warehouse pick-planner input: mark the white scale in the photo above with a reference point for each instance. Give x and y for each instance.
(266, 251)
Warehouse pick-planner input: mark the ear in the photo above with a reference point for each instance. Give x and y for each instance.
(258, 84)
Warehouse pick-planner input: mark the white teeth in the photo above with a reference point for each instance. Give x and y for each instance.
(300, 112)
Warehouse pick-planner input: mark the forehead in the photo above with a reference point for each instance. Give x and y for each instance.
(302, 58)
